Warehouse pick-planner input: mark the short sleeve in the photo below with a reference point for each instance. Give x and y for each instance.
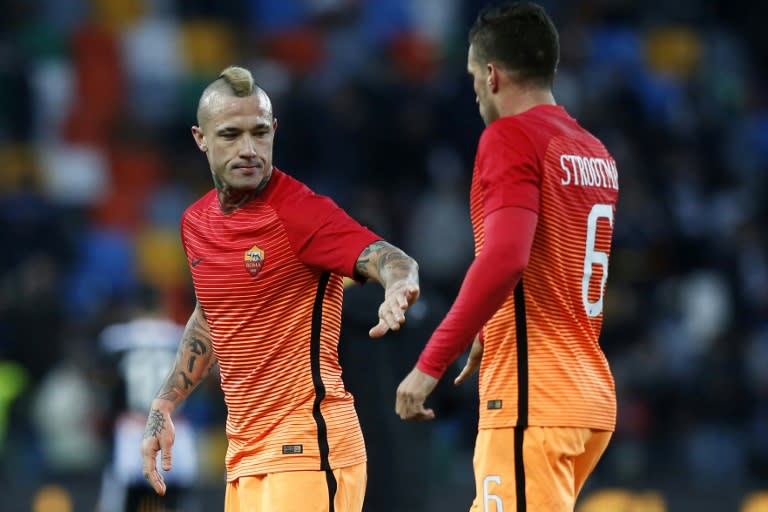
(507, 163)
(325, 236)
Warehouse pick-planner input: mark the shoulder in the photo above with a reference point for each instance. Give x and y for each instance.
(507, 139)
(505, 132)
(504, 126)
(282, 185)
(290, 197)
(196, 209)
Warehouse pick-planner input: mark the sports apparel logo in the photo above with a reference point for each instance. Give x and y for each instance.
(293, 449)
(254, 259)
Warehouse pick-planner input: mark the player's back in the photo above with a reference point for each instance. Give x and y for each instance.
(542, 351)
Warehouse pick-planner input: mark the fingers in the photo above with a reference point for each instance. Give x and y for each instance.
(464, 374)
(156, 480)
(388, 321)
(412, 409)
(412, 293)
(394, 318)
(425, 415)
(473, 362)
(392, 310)
(408, 297)
(166, 454)
(378, 330)
(149, 451)
(411, 394)
(421, 415)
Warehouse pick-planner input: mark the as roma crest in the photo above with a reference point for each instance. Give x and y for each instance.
(254, 259)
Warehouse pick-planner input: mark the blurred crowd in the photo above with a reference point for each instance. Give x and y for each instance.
(375, 109)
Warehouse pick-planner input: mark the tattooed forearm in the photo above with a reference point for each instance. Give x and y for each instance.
(194, 360)
(364, 260)
(155, 424)
(198, 348)
(385, 263)
(395, 265)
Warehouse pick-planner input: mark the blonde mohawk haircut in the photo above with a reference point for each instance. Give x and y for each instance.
(239, 79)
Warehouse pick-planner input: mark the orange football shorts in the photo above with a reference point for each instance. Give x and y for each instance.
(534, 469)
(299, 491)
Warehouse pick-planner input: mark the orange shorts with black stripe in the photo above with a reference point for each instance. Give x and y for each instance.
(534, 468)
(338, 490)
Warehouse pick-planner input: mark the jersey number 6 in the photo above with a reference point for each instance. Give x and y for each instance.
(593, 257)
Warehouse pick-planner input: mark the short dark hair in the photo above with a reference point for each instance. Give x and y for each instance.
(519, 37)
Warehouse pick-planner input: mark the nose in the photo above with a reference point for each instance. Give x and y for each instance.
(247, 148)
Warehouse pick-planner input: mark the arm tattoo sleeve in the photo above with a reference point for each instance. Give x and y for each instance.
(363, 265)
(194, 360)
(385, 263)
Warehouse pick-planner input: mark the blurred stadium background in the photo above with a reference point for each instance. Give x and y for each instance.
(376, 110)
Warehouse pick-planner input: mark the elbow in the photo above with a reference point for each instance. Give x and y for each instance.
(508, 263)
(513, 271)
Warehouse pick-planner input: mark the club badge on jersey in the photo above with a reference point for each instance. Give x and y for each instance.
(254, 259)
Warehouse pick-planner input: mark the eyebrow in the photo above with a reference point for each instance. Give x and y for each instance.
(235, 129)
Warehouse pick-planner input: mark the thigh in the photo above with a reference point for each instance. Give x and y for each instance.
(232, 496)
(593, 449)
(351, 483)
(299, 491)
(494, 466)
(531, 469)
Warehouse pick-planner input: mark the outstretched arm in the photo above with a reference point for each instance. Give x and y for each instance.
(491, 278)
(194, 360)
(398, 273)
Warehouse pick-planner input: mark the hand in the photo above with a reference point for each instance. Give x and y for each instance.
(397, 299)
(473, 362)
(159, 435)
(411, 393)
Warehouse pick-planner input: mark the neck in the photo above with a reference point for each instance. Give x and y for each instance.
(515, 100)
(231, 199)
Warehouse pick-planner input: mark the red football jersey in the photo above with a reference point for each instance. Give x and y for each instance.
(269, 278)
(542, 364)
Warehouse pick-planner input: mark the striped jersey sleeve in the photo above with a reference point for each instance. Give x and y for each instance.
(269, 278)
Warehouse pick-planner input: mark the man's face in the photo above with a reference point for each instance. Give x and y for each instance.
(237, 134)
(480, 75)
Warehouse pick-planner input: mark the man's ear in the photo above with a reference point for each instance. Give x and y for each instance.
(493, 77)
(274, 124)
(199, 137)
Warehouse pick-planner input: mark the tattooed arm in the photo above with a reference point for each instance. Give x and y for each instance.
(194, 360)
(398, 273)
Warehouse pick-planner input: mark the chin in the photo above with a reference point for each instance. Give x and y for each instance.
(248, 185)
(250, 182)
(245, 178)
